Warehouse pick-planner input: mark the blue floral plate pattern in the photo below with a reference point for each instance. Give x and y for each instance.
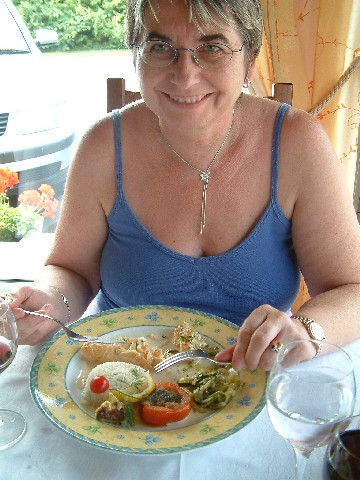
(55, 388)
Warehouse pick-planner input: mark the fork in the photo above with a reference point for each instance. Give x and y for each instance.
(7, 298)
(181, 357)
(70, 333)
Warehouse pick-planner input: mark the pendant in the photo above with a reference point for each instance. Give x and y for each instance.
(205, 177)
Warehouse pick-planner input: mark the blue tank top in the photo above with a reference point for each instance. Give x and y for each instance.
(136, 269)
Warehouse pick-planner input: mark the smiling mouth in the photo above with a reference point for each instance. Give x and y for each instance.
(188, 100)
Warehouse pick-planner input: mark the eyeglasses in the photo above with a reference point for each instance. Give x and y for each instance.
(210, 56)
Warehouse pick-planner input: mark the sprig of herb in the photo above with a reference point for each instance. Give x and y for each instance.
(129, 415)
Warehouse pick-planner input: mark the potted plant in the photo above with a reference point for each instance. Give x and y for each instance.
(28, 216)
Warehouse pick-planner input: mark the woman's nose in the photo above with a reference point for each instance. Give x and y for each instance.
(185, 70)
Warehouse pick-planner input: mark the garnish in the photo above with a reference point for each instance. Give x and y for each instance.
(129, 420)
(142, 385)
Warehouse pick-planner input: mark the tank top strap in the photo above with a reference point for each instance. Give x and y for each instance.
(117, 141)
(276, 149)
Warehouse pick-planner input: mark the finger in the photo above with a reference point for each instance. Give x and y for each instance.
(268, 357)
(226, 354)
(32, 329)
(35, 335)
(246, 332)
(20, 313)
(271, 325)
(26, 328)
(298, 352)
(277, 330)
(28, 297)
(19, 296)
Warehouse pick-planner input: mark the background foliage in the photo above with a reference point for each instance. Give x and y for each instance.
(80, 24)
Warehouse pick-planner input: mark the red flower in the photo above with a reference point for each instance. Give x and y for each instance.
(43, 203)
(8, 179)
(47, 190)
(29, 198)
(42, 200)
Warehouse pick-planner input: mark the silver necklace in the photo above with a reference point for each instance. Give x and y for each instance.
(205, 175)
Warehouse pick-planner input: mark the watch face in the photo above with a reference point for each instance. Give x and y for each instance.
(316, 331)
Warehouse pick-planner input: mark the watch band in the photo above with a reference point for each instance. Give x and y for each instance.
(307, 322)
(304, 320)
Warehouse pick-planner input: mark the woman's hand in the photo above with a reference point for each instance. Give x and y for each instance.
(262, 328)
(32, 330)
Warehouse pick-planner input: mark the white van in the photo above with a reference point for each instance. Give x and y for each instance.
(36, 134)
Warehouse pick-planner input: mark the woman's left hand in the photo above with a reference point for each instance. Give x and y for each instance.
(260, 331)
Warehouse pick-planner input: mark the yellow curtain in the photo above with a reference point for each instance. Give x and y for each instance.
(311, 44)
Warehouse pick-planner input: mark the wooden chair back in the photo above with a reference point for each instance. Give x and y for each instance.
(283, 92)
(117, 95)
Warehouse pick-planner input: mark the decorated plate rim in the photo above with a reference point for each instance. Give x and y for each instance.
(151, 447)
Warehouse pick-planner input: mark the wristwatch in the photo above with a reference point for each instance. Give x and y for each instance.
(314, 329)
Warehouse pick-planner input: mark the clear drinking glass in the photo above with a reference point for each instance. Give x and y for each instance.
(342, 457)
(308, 399)
(12, 424)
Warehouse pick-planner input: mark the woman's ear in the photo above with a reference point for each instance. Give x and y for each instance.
(251, 70)
(249, 75)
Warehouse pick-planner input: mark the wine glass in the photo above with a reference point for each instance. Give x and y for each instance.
(12, 424)
(308, 396)
(342, 457)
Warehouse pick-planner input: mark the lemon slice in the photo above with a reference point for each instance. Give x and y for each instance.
(135, 391)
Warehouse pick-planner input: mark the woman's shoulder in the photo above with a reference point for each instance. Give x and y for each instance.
(300, 130)
(266, 107)
(304, 136)
(130, 113)
(298, 119)
(98, 141)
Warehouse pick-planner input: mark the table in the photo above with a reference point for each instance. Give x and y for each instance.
(22, 260)
(45, 452)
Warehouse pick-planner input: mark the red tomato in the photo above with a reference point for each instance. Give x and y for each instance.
(99, 384)
(167, 411)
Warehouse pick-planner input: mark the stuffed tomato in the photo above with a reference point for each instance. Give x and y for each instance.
(167, 403)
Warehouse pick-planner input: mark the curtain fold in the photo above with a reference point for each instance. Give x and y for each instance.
(311, 43)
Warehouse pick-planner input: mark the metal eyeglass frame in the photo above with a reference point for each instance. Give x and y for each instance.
(192, 50)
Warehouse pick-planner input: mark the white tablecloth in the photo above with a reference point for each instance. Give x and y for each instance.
(22, 260)
(45, 452)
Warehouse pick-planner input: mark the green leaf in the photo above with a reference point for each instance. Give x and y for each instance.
(129, 420)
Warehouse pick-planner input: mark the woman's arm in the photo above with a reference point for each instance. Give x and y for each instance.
(326, 236)
(326, 233)
(73, 263)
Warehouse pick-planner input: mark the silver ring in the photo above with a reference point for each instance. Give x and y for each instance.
(277, 346)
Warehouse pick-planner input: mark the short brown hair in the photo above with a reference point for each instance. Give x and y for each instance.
(242, 15)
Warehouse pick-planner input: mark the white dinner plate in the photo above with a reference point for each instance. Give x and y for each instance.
(55, 387)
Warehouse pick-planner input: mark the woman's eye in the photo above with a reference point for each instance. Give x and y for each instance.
(160, 47)
(212, 48)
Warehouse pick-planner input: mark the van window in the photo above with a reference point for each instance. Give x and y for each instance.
(11, 39)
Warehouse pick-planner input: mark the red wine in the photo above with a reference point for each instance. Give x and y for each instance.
(339, 464)
(6, 354)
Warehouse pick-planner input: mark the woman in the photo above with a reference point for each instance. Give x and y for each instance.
(189, 207)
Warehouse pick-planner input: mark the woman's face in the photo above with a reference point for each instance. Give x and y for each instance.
(184, 94)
